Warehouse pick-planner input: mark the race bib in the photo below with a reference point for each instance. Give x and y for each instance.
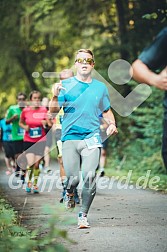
(20, 131)
(35, 132)
(94, 141)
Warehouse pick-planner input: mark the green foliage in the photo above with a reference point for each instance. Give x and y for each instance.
(42, 36)
(137, 147)
(16, 238)
(160, 15)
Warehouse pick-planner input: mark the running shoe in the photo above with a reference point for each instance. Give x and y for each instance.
(35, 189)
(82, 221)
(69, 200)
(28, 187)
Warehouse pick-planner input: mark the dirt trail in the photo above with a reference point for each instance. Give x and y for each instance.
(122, 220)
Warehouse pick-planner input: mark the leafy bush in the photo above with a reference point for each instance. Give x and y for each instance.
(15, 238)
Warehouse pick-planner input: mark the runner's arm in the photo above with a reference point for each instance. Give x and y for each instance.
(110, 120)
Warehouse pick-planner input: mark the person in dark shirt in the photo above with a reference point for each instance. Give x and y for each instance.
(154, 58)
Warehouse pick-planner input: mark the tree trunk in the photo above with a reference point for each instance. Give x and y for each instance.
(122, 24)
(28, 73)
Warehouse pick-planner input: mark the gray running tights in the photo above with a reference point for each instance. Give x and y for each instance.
(77, 157)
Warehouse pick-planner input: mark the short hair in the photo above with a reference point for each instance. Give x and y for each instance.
(85, 51)
(65, 74)
(34, 92)
(21, 93)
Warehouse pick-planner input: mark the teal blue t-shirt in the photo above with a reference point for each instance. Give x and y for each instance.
(6, 131)
(82, 103)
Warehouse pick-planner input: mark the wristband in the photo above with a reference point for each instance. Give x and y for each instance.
(113, 124)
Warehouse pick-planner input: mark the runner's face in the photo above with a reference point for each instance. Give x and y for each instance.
(35, 100)
(21, 101)
(83, 63)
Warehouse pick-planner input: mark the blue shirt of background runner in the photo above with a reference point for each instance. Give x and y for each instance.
(6, 130)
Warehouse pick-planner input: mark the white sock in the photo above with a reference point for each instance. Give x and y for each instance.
(101, 169)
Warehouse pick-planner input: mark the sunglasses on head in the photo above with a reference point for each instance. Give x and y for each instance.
(89, 61)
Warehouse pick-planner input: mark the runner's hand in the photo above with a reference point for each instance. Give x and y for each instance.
(111, 130)
(56, 88)
(27, 128)
(15, 117)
